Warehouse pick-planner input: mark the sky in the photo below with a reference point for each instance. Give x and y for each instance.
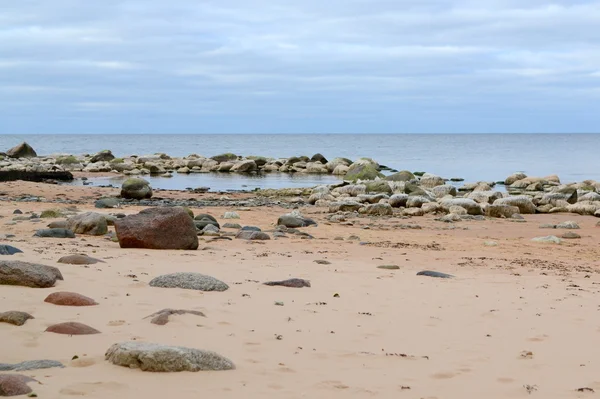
(291, 66)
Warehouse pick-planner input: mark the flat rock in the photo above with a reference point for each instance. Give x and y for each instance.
(547, 239)
(292, 283)
(15, 384)
(31, 365)
(69, 299)
(163, 358)
(15, 317)
(232, 226)
(79, 259)
(162, 316)
(9, 250)
(252, 235)
(28, 274)
(231, 215)
(430, 273)
(322, 262)
(189, 281)
(389, 267)
(569, 224)
(158, 228)
(54, 233)
(72, 328)
(570, 235)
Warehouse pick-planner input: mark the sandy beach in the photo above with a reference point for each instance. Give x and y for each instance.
(518, 320)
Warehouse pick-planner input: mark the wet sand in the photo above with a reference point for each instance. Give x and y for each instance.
(520, 319)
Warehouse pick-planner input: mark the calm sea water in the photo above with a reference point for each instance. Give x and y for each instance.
(474, 157)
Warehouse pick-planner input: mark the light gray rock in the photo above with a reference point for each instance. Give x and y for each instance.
(163, 358)
(547, 239)
(569, 224)
(231, 215)
(523, 202)
(472, 207)
(89, 223)
(31, 365)
(189, 281)
(14, 272)
(377, 210)
(501, 210)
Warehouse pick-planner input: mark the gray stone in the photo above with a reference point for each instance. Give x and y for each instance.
(31, 365)
(28, 274)
(569, 224)
(377, 210)
(523, 202)
(252, 235)
(22, 150)
(163, 358)
(232, 226)
(161, 317)
(547, 239)
(189, 281)
(569, 235)
(429, 273)
(89, 223)
(15, 384)
(54, 233)
(135, 188)
(294, 221)
(9, 250)
(231, 215)
(104, 203)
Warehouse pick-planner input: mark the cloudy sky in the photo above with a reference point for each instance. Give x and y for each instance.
(240, 66)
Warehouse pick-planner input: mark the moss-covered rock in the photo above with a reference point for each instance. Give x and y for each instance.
(66, 160)
(52, 214)
(378, 187)
(359, 171)
(403, 175)
(224, 157)
(135, 188)
(117, 161)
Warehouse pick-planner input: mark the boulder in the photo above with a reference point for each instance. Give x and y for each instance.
(231, 215)
(345, 206)
(9, 250)
(103, 203)
(547, 239)
(569, 224)
(189, 281)
(430, 181)
(15, 318)
(28, 274)
(444, 190)
(163, 358)
(295, 221)
(135, 188)
(54, 233)
(523, 202)
(416, 201)
(398, 200)
(161, 317)
(23, 150)
(583, 208)
(158, 228)
(403, 175)
(69, 299)
(244, 166)
(225, 157)
(58, 224)
(15, 384)
(89, 223)
(363, 171)
(377, 210)
(501, 210)
(103, 156)
(319, 158)
(514, 177)
(333, 164)
(380, 186)
(252, 235)
(72, 328)
(472, 207)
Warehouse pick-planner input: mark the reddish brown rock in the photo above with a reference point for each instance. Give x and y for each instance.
(79, 259)
(69, 299)
(72, 328)
(15, 384)
(14, 317)
(158, 228)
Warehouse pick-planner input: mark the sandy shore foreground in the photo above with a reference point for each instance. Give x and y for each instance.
(520, 319)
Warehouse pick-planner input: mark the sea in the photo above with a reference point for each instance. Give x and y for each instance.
(472, 157)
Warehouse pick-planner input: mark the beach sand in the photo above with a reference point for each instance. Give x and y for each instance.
(519, 320)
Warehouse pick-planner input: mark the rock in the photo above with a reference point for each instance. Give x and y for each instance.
(333, 164)
(201, 224)
(162, 358)
(23, 150)
(52, 213)
(251, 228)
(28, 274)
(417, 201)
(54, 233)
(189, 281)
(569, 235)
(41, 176)
(162, 316)
(398, 200)
(359, 171)
(9, 250)
(583, 208)
(514, 178)
(472, 207)
(203, 216)
(210, 228)
(458, 210)
(523, 202)
(79, 259)
(403, 175)
(501, 210)
(232, 226)
(450, 218)
(15, 384)
(345, 206)
(294, 221)
(567, 225)
(135, 188)
(444, 190)
(379, 186)
(244, 166)
(15, 317)
(69, 299)
(485, 197)
(389, 267)
(322, 262)
(430, 181)
(89, 223)
(318, 158)
(547, 239)
(292, 283)
(158, 228)
(377, 210)
(429, 273)
(340, 170)
(31, 365)
(72, 328)
(104, 203)
(252, 235)
(231, 215)
(547, 226)
(103, 156)
(224, 157)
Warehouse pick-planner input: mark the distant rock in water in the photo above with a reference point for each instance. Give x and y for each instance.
(23, 150)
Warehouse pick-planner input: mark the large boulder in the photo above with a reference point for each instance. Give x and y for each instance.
(380, 186)
(514, 178)
(23, 150)
(224, 157)
(501, 210)
(244, 166)
(90, 223)
(523, 202)
(363, 171)
(398, 200)
(9, 250)
(135, 188)
(28, 274)
(158, 228)
(472, 207)
(189, 281)
(403, 175)
(163, 358)
(103, 156)
(333, 164)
